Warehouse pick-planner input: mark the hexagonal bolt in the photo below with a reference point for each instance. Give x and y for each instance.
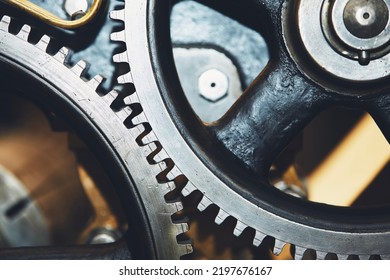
(76, 8)
(213, 85)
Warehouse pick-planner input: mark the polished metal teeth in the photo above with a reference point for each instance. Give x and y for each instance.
(156, 156)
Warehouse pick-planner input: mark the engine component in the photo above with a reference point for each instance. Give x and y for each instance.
(228, 160)
(93, 115)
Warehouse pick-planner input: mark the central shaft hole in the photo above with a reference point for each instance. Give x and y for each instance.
(366, 15)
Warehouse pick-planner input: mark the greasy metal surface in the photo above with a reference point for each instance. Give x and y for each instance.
(279, 103)
(50, 18)
(114, 144)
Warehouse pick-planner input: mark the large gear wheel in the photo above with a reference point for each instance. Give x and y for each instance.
(65, 90)
(228, 161)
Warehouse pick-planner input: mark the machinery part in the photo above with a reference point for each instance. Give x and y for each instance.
(76, 8)
(213, 84)
(193, 63)
(66, 91)
(339, 49)
(48, 17)
(228, 161)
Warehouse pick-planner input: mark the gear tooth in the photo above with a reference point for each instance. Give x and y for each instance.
(125, 79)
(24, 32)
(160, 156)
(80, 68)
(188, 189)
(131, 99)
(43, 43)
(62, 55)
(139, 119)
(204, 203)
(321, 255)
(385, 257)
(186, 249)
(258, 239)
(110, 97)
(118, 36)
(240, 227)
(342, 257)
(221, 217)
(95, 82)
(299, 252)
(173, 173)
(180, 228)
(4, 23)
(118, 15)
(168, 187)
(278, 247)
(120, 57)
(364, 257)
(149, 138)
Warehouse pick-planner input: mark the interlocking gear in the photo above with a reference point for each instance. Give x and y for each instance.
(228, 161)
(59, 86)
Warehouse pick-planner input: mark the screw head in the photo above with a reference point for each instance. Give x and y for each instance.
(213, 85)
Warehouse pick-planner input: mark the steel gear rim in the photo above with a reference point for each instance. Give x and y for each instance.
(140, 55)
(82, 94)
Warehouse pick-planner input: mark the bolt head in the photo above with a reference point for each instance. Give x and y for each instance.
(213, 85)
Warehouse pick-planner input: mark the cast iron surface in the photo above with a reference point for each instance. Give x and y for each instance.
(65, 89)
(228, 161)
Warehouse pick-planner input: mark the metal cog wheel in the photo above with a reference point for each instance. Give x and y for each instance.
(153, 232)
(228, 161)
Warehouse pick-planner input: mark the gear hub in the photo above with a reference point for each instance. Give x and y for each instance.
(352, 40)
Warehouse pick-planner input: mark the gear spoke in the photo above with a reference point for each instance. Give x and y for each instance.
(269, 114)
(380, 111)
(117, 250)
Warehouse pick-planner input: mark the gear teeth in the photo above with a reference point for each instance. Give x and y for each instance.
(321, 255)
(110, 97)
(125, 79)
(299, 253)
(149, 138)
(385, 257)
(221, 217)
(43, 43)
(342, 257)
(62, 55)
(180, 228)
(80, 68)
(186, 249)
(160, 156)
(131, 99)
(175, 207)
(118, 36)
(139, 119)
(24, 32)
(204, 203)
(188, 189)
(240, 227)
(174, 173)
(278, 247)
(95, 82)
(120, 57)
(118, 15)
(4, 23)
(258, 239)
(168, 187)
(364, 257)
